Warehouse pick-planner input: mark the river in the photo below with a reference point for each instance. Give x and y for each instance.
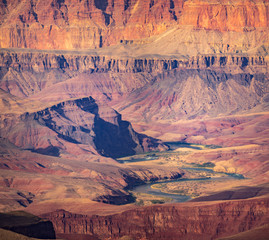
(147, 188)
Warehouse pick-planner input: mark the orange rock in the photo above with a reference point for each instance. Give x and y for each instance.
(90, 24)
(219, 15)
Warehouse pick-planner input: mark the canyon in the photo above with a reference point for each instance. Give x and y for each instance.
(98, 97)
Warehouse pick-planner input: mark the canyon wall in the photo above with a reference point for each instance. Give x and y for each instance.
(44, 61)
(93, 24)
(209, 221)
(27, 73)
(144, 88)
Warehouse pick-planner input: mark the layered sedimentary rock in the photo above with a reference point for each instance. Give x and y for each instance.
(57, 77)
(38, 61)
(93, 24)
(226, 16)
(83, 24)
(168, 222)
(146, 89)
(82, 122)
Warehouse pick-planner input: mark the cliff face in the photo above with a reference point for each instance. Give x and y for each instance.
(226, 16)
(81, 122)
(42, 61)
(74, 75)
(168, 222)
(93, 24)
(81, 24)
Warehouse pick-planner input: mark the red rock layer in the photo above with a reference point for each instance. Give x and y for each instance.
(85, 24)
(168, 222)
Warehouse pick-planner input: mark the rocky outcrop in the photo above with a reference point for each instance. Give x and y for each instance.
(40, 62)
(186, 221)
(82, 122)
(44, 61)
(94, 24)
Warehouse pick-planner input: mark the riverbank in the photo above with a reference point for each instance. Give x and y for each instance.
(200, 178)
(184, 189)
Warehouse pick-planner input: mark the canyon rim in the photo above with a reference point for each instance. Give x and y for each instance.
(113, 110)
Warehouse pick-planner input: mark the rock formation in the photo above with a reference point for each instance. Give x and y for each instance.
(82, 122)
(149, 86)
(93, 24)
(209, 221)
(42, 61)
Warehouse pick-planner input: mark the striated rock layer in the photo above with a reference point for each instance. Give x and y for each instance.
(144, 87)
(188, 221)
(42, 61)
(92, 24)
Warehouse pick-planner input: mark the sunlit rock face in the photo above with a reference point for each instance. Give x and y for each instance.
(93, 24)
